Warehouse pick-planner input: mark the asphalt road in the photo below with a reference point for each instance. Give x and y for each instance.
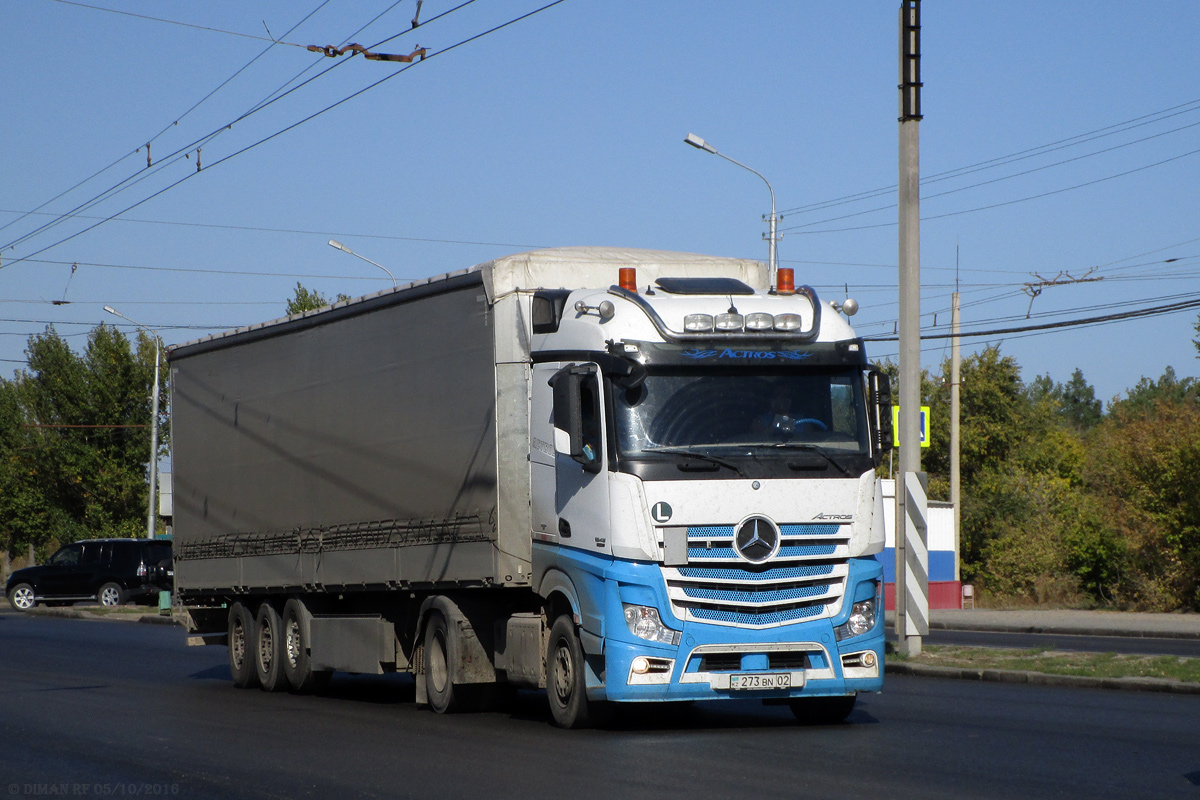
(122, 709)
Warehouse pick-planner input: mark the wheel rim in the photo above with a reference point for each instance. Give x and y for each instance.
(564, 673)
(237, 644)
(110, 597)
(439, 672)
(266, 646)
(291, 642)
(23, 598)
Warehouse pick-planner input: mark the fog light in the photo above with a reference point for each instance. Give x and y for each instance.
(758, 321)
(729, 322)
(641, 665)
(788, 322)
(868, 659)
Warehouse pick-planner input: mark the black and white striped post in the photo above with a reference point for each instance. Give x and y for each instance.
(912, 561)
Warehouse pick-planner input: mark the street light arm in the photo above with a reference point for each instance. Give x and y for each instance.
(700, 144)
(334, 243)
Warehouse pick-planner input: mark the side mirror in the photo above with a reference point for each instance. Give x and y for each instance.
(576, 416)
(880, 387)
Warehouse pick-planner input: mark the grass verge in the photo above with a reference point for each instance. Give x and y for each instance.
(1058, 662)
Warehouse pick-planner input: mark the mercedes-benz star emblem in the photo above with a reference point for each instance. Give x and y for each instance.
(756, 539)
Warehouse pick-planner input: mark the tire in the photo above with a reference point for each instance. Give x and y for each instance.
(22, 597)
(268, 649)
(566, 687)
(439, 655)
(111, 595)
(822, 710)
(241, 647)
(297, 661)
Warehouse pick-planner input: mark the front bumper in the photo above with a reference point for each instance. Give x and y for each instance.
(714, 661)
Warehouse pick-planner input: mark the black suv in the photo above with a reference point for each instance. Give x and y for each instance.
(112, 571)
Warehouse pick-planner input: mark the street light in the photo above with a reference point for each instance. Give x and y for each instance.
(335, 243)
(153, 425)
(700, 144)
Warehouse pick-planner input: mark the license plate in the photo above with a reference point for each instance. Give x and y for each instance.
(761, 681)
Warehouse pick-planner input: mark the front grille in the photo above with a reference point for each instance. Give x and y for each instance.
(721, 662)
(804, 580)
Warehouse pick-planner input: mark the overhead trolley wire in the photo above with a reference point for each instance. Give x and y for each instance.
(175, 156)
(153, 138)
(1099, 133)
(296, 124)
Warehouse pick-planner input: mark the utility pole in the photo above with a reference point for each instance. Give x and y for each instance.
(955, 433)
(912, 556)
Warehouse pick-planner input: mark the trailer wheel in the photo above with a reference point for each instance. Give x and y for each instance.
(822, 710)
(268, 649)
(439, 685)
(566, 688)
(297, 663)
(241, 638)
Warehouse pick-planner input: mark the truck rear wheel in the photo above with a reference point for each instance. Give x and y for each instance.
(439, 656)
(566, 687)
(241, 639)
(297, 662)
(268, 649)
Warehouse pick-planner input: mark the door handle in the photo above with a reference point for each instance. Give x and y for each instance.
(564, 528)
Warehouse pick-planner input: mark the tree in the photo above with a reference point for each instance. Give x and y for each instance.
(1145, 468)
(1075, 400)
(310, 300)
(74, 439)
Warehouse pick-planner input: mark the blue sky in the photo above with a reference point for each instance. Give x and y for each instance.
(1079, 122)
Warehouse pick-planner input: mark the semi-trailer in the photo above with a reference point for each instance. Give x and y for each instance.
(618, 475)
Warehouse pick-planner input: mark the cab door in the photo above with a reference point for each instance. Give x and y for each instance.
(581, 502)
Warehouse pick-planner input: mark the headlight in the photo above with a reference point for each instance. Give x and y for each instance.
(644, 623)
(862, 620)
(702, 323)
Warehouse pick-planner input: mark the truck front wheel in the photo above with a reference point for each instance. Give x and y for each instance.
(439, 685)
(566, 687)
(241, 645)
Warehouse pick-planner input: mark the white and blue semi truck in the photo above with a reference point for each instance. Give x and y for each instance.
(616, 475)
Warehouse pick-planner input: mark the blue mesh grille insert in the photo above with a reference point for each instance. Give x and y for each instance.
(755, 596)
(791, 531)
(751, 618)
(772, 574)
(710, 532)
(788, 551)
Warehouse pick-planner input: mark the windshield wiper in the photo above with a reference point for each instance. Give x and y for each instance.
(814, 448)
(683, 451)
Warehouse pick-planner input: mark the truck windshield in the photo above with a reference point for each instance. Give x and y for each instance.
(733, 412)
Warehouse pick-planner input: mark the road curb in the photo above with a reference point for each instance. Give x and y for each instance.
(1062, 630)
(1042, 678)
(78, 613)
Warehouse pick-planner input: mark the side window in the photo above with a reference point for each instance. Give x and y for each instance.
(68, 556)
(91, 555)
(124, 557)
(589, 402)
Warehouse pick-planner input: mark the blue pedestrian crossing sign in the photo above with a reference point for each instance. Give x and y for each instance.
(924, 426)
